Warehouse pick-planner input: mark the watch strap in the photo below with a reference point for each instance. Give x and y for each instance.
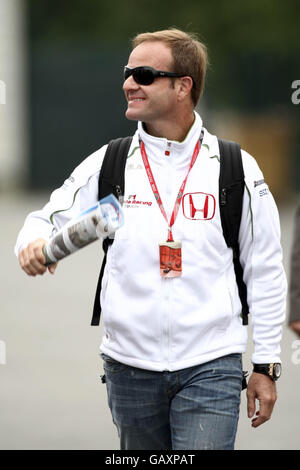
(266, 369)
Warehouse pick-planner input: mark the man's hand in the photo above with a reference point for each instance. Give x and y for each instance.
(32, 259)
(262, 388)
(295, 326)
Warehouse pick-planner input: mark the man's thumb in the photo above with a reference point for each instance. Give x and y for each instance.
(52, 268)
(250, 404)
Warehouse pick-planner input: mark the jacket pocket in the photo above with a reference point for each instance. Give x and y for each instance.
(231, 300)
(226, 303)
(105, 285)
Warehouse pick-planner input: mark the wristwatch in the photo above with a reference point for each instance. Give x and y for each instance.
(272, 370)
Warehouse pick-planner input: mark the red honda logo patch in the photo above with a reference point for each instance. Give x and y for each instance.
(198, 206)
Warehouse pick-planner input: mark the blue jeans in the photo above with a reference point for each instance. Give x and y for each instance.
(194, 408)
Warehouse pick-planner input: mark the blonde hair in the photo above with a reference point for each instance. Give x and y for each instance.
(189, 55)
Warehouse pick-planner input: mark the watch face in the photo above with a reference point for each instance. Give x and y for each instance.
(277, 371)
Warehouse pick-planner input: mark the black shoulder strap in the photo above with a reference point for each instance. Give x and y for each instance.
(111, 181)
(231, 191)
(111, 178)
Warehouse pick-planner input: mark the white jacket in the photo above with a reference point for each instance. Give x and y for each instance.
(169, 324)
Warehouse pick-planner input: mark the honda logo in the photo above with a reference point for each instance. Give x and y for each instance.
(198, 206)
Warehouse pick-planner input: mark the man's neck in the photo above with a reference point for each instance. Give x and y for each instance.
(176, 131)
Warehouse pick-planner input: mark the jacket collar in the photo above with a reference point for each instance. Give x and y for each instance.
(180, 152)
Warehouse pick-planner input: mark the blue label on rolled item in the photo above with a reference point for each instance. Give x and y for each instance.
(87, 211)
(106, 204)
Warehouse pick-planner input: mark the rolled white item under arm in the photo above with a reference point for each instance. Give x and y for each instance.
(99, 221)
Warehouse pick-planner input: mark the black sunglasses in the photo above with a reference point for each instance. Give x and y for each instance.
(147, 75)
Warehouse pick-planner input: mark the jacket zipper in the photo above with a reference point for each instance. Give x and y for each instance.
(168, 149)
(168, 283)
(166, 321)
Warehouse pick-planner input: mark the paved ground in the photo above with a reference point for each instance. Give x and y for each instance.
(51, 396)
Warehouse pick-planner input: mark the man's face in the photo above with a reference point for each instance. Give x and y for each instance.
(150, 103)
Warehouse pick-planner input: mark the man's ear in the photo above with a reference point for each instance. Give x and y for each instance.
(185, 85)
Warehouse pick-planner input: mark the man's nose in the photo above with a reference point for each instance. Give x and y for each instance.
(130, 83)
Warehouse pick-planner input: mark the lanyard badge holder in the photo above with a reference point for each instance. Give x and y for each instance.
(170, 259)
(170, 256)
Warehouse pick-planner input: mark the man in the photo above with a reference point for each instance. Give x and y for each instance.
(173, 339)
(294, 292)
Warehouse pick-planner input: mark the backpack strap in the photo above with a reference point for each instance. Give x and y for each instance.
(231, 191)
(111, 181)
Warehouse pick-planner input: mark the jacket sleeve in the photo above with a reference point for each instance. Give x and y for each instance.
(294, 292)
(79, 192)
(261, 258)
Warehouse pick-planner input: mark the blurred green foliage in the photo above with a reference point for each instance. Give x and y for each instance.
(271, 26)
(251, 43)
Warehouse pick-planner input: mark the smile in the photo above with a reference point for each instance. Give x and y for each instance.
(131, 100)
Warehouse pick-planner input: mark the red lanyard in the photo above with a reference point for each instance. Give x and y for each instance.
(155, 189)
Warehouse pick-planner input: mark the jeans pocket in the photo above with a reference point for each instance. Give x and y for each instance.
(111, 365)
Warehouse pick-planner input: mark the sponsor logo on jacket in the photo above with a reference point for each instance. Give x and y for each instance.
(198, 206)
(132, 201)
